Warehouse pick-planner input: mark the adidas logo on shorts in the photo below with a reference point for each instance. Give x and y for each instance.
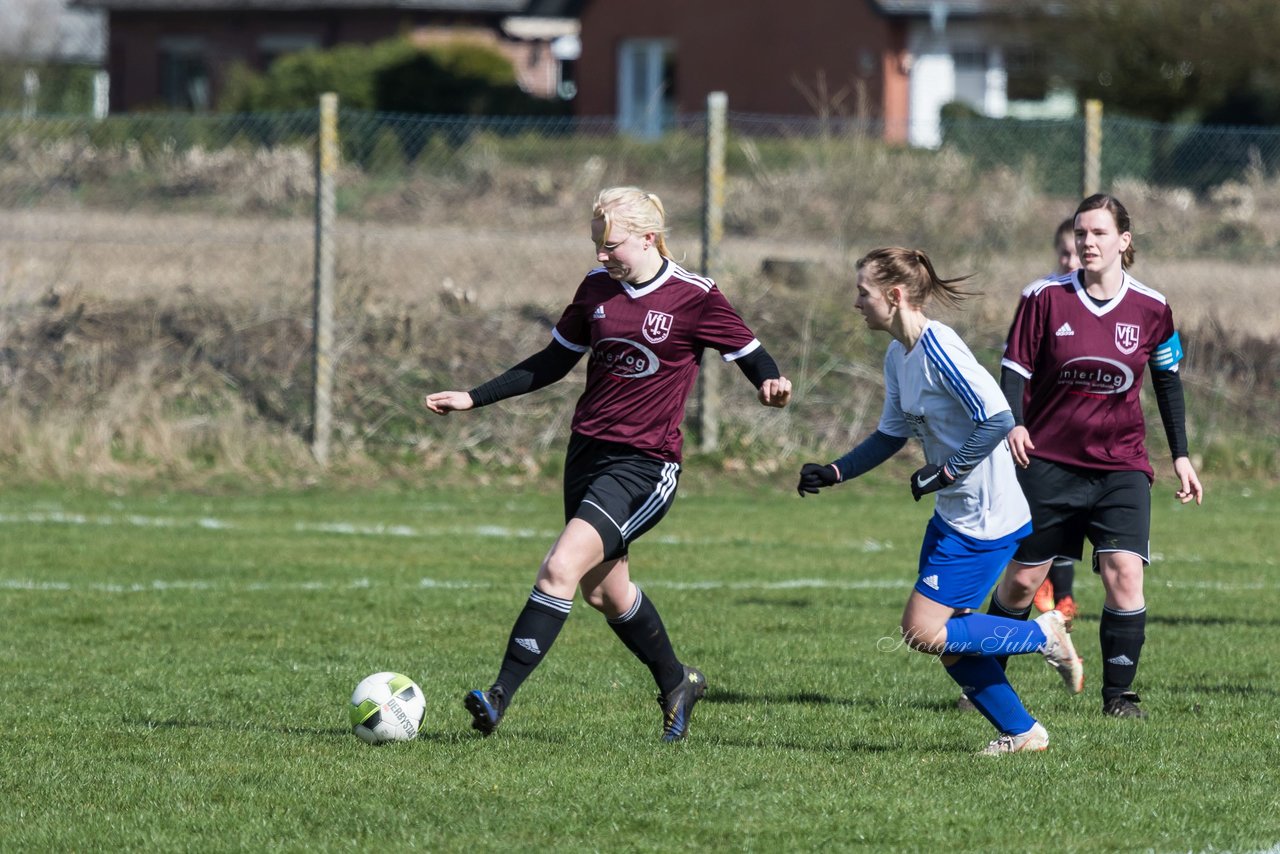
(930, 581)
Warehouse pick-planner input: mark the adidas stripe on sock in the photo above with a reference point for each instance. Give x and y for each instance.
(1122, 634)
(534, 632)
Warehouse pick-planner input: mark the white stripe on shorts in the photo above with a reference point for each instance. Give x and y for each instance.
(661, 494)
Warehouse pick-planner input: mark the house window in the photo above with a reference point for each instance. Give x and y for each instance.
(646, 86)
(184, 74)
(971, 77)
(271, 48)
(1027, 78)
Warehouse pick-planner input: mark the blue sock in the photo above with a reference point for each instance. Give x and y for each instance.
(983, 634)
(984, 682)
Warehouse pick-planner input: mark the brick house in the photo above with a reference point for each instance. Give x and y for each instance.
(890, 61)
(173, 54)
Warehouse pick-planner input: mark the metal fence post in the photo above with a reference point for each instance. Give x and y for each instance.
(712, 233)
(1092, 147)
(322, 328)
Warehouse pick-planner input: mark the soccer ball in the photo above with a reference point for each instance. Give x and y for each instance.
(387, 707)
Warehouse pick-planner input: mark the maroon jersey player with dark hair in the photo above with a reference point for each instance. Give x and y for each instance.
(644, 322)
(1078, 348)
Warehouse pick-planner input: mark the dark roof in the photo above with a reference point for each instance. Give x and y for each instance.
(554, 8)
(957, 8)
(500, 7)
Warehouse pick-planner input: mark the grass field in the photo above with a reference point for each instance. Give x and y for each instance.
(176, 670)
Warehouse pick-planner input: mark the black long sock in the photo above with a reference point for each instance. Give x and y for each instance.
(998, 609)
(534, 632)
(1062, 575)
(642, 631)
(1122, 634)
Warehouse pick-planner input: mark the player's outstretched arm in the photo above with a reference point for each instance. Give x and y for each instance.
(868, 454)
(1189, 487)
(444, 402)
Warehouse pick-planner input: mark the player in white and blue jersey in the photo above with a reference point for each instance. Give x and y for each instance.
(936, 391)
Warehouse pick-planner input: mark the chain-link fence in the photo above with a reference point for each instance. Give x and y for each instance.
(156, 270)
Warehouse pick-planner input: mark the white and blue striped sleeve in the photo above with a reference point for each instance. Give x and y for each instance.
(963, 378)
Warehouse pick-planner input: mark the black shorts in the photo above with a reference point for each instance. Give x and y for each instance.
(617, 490)
(1111, 508)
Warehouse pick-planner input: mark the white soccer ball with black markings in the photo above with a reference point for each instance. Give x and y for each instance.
(387, 707)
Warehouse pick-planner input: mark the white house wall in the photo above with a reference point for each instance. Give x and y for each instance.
(933, 75)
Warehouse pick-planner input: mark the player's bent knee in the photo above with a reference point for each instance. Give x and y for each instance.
(596, 598)
(924, 640)
(560, 577)
(1019, 586)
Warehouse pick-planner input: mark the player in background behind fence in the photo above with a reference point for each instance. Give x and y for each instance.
(1058, 589)
(936, 391)
(643, 321)
(1077, 350)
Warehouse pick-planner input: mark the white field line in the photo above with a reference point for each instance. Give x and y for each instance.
(204, 585)
(868, 546)
(162, 586)
(58, 517)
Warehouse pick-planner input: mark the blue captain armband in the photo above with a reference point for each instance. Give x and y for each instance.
(1167, 355)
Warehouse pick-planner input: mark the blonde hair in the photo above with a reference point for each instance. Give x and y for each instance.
(913, 270)
(634, 209)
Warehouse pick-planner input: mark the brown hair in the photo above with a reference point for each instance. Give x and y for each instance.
(913, 270)
(1067, 227)
(636, 210)
(1101, 201)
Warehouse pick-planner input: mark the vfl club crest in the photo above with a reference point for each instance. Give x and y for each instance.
(657, 326)
(1127, 337)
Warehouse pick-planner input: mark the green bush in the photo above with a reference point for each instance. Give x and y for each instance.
(394, 76)
(64, 89)
(295, 81)
(456, 80)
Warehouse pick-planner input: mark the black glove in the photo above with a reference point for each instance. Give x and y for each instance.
(928, 479)
(814, 477)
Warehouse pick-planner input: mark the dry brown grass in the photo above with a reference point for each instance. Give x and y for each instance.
(174, 345)
(268, 263)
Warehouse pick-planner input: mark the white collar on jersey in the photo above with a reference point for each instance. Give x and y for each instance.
(664, 273)
(1099, 310)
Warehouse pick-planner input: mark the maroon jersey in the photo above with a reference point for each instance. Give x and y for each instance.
(1084, 364)
(646, 344)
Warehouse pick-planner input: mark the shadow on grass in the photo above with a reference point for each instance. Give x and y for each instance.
(226, 726)
(945, 704)
(1185, 620)
(798, 698)
(1248, 689)
(841, 747)
(699, 738)
(775, 603)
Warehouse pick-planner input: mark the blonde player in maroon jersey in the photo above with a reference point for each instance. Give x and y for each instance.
(1078, 347)
(643, 321)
